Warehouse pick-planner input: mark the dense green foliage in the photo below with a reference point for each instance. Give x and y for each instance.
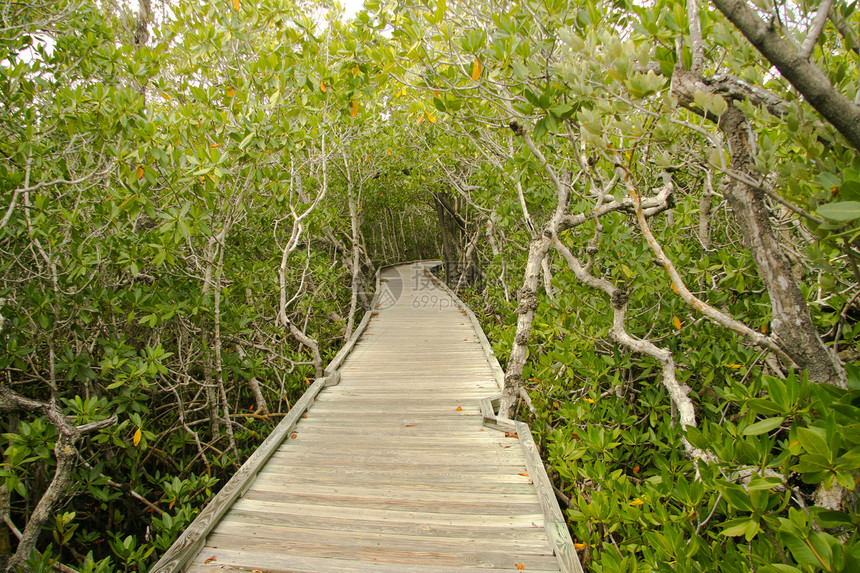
(197, 194)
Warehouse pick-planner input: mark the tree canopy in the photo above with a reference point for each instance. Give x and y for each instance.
(653, 207)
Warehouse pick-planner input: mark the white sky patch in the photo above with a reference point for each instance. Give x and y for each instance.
(351, 8)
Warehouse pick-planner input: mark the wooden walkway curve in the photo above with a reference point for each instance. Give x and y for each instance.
(395, 462)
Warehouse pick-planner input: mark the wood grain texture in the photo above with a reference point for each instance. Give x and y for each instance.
(391, 468)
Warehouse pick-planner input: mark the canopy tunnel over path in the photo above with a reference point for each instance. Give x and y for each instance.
(394, 462)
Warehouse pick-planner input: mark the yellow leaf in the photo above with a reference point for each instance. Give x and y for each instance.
(431, 119)
(354, 112)
(733, 365)
(165, 96)
(389, 151)
(322, 87)
(579, 546)
(677, 322)
(215, 146)
(476, 69)
(674, 288)
(231, 92)
(139, 173)
(589, 400)
(637, 501)
(137, 435)
(236, 5)
(420, 119)
(355, 71)
(764, 329)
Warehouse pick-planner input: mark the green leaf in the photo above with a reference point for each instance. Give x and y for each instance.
(850, 190)
(829, 518)
(247, 139)
(764, 406)
(812, 440)
(736, 497)
(813, 463)
(696, 438)
(764, 483)
(735, 527)
(751, 530)
(763, 426)
(842, 211)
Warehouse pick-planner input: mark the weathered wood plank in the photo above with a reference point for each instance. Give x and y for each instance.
(501, 505)
(226, 560)
(454, 475)
(311, 521)
(312, 435)
(404, 539)
(491, 420)
(404, 554)
(434, 493)
(390, 516)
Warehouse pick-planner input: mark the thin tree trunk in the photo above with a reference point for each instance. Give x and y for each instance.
(292, 244)
(260, 402)
(705, 214)
(355, 263)
(212, 399)
(141, 36)
(66, 455)
(527, 295)
(528, 303)
(219, 370)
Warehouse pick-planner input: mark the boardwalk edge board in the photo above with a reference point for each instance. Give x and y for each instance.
(186, 547)
(491, 419)
(191, 541)
(556, 526)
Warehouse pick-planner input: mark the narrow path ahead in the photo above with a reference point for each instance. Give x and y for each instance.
(392, 469)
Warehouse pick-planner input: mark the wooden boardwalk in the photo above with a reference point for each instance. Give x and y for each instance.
(395, 466)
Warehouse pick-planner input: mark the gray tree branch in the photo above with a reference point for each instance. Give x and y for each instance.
(806, 77)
